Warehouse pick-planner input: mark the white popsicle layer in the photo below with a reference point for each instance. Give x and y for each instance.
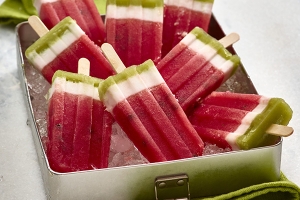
(38, 4)
(197, 6)
(135, 12)
(231, 138)
(208, 52)
(60, 84)
(120, 91)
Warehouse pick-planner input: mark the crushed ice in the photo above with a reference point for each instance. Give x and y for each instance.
(122, 151)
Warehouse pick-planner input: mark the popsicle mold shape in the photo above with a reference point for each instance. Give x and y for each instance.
(180, 17)
(62, 47)
(134, 29)
(147, 111)
(239, 121)
(84, 12)
(196, 66)
(79, 128)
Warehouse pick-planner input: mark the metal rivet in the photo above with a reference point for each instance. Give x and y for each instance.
(162, 184)
(180, 182)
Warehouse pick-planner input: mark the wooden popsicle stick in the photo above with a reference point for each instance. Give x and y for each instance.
(37, 25)
(280, 130)
(84, 66)
(113, 57)
(230, 39)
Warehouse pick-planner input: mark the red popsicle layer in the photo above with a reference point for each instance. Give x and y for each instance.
(84, 12)
(147, 111)
(79, 128)
(196, 66)
(62, 47)
(239, 121)
(180, 17)
(134, 29)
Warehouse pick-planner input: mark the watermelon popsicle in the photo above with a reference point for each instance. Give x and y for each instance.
(79, 128)
(134, 29)
(62, 47)
(147, 111)
(180, 17)
(84, 12)
(196, 66)
(241, 121)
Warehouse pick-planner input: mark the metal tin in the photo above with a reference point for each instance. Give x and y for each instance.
(201, 176)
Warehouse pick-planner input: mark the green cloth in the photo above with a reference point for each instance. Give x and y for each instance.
(16, 11)
(278, 190)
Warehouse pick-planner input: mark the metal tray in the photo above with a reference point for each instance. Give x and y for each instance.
(191, 178)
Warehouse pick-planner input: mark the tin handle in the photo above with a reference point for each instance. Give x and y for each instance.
(172, 187)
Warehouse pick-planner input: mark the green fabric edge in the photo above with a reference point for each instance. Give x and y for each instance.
(282, 189)
(16, 11)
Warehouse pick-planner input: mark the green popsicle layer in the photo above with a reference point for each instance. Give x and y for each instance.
(276, 112)
(50, 38)
(205, 38)
(123, 76)
(76, 78)
(205, 1)
(143, 3)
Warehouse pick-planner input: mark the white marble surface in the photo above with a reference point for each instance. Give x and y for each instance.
(269, 46)
(269, 49)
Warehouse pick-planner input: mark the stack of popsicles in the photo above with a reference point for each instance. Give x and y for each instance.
(84, 12)
(62, 47)
(79, 128)
(239, 121)
(134, 29)
(180, 17)
(196, 66)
